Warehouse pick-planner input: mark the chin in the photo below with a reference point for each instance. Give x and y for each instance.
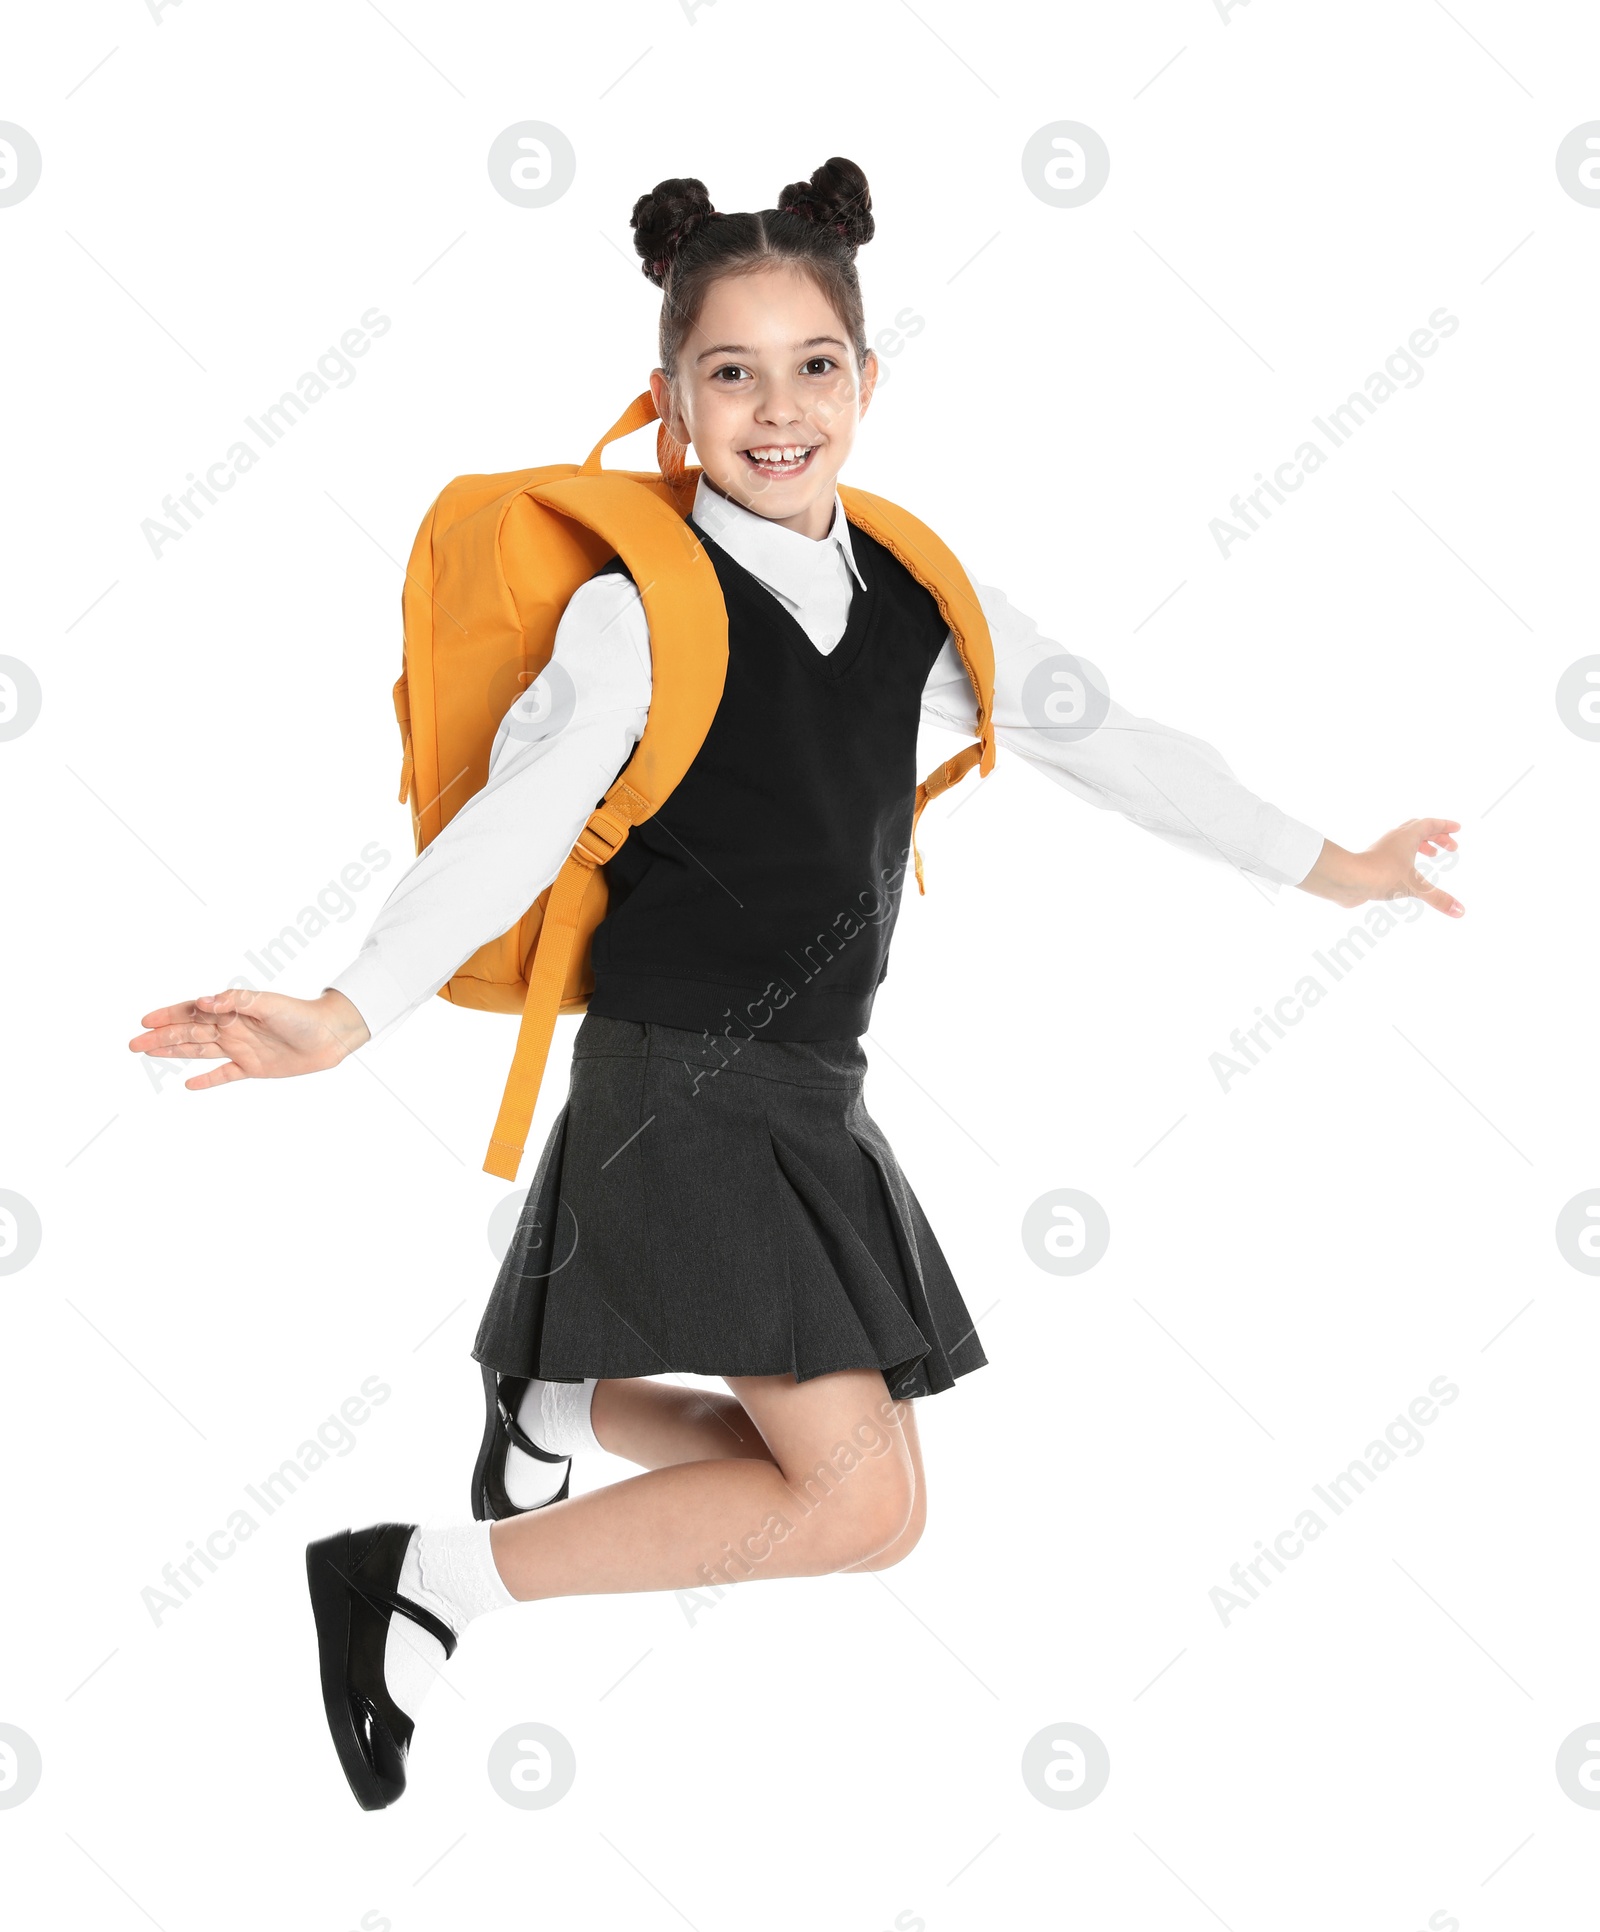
(776, 496)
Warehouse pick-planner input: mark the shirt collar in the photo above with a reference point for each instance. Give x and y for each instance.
(787, 563)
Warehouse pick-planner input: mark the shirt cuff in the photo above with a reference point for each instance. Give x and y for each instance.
(374, 992)
(1293, 850)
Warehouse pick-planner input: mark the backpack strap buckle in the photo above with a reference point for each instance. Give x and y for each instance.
(601, 838)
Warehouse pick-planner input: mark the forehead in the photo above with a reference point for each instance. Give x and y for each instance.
(768, 311)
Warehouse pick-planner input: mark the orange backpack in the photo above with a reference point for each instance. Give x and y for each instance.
(494, 563)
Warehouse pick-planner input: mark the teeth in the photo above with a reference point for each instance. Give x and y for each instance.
(791, 455)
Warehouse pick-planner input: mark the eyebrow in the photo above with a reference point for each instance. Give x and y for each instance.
(741, 349)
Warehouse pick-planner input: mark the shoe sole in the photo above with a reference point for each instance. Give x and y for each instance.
(328, 1565)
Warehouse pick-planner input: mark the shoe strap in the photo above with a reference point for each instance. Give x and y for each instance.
(520, 1439)
(425, 1619)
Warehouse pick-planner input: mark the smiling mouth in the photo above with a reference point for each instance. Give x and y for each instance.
(779, 459)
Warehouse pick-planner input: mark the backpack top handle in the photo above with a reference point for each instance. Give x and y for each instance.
(640, 411)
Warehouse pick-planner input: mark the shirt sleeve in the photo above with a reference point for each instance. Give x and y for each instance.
(557, 750)
(1049, 712)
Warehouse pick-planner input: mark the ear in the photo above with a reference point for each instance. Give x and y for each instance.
(869, 381)
(666, 409)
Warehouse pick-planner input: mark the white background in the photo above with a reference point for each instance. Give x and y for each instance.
(1292, 1259)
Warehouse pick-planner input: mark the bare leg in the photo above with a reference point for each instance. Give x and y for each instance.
(836, 1488)
(656, 1424)
(907, 1540)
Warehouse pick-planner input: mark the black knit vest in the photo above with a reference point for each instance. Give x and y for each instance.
(761, 898)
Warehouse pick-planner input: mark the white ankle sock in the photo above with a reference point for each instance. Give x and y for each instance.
(452, 1573)
(556, 1416)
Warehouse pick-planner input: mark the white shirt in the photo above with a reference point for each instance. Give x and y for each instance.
(508, 842)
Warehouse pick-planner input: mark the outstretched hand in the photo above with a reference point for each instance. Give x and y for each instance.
(1387, 869)
(257, 1036)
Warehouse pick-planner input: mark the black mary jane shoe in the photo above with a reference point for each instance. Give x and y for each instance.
(352, 1577)
(502, 1431)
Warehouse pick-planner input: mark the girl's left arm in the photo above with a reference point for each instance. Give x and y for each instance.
(1050, 713)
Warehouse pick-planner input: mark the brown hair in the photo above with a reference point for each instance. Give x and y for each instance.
(686, 244)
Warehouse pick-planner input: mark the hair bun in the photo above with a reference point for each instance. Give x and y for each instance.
(664, 219)
(835, 197)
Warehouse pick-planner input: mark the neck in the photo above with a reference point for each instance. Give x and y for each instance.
(800, 523)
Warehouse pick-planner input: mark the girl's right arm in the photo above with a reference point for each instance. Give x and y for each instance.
(557, 750)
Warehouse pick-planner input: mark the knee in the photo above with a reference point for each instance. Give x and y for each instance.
(865, 1512)
(906, 1541)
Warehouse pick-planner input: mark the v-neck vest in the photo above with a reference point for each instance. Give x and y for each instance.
(760, 900)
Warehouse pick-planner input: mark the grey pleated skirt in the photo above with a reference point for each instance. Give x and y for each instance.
(722, 1208)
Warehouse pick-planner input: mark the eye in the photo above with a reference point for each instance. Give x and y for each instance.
(728, 368)
(827, 362)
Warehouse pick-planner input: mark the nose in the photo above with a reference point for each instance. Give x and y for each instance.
(779, 403)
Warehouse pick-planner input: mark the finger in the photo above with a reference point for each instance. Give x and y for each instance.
(172, 1036)
(218, 1077)
(1436, 896)
(196, 1050)
(1436, 831)
(232, 999)
(219, 1008)
(170, 1015)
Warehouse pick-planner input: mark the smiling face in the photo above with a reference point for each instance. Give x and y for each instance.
(768, 391)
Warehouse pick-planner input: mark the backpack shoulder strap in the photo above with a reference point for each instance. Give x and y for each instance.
(936, 568)
(688, 628)
(689, 661)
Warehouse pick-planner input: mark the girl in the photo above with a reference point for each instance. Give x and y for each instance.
(717, 1200)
